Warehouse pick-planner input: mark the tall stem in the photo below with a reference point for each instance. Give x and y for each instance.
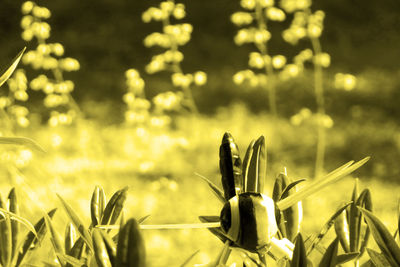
(263, 48)
(319, 94)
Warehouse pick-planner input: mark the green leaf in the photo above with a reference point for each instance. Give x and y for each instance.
(71, 261)
(354, 220)
(19, 219)
(130, 248)
(114, 207)
(7, 74)
(217, 192)
(257, 167)
(230, 166)
(292, 185)
(70, 238)
(77, 250)
(364, 201)
(84, 233)
(383, 238)
(316, 238)
(332, 177)
(342, 231)
(55, 239)
(343, 258)
(31, 240)
(186, 262)
(97, 205)
(141, 220)
(23, 141)
(13, 207)
(299, 258)
(111, 247)
(6, 241)
(246, 163)
(218, 232)
(378, 259)
(330, 257)
(100, 251)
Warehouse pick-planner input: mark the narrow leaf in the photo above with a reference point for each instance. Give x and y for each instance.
(378, 259)
(19, 219)
(70, 238)
(6, 240)
(217, 192)
(246, 164)
(31, 240)
(13, 207)
(186, 262)
(100, 251)
(315, 239)
(71, 261)
(299, 253)
(7, 74)
(55, 239)
(97, 205)
(114, 207)
(330, 257)
(343, 258)
(141, 220)
(84, 233)
(130, 247)
(230, 166)
(383, 238)
(342, 231)
(257, 167)
(321, 183)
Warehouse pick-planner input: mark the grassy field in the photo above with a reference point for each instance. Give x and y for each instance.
(159, 167)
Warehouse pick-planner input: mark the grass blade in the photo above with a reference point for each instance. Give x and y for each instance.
(31, 240)
(77, 250)
(218, 232)
(6, 241)
(343, 258)
(383, 238)
(330, 257)
(84, 233)
(71, 261)
(7, 74)
(70, 238)
(23, 141)
(230, 166)
(332, 177)
(97, 205)
(217, 192)
(342, 231)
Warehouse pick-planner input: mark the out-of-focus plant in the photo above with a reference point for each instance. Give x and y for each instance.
(307, 24)
(256, 17)
(171, 38)
(47, 57)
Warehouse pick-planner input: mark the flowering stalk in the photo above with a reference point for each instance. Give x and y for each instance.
(260, 11)
(46, 56)
(173, 36)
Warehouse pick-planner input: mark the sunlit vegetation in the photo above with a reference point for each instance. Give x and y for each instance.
(169, 185)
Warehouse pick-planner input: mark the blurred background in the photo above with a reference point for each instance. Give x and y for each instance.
(159, 160)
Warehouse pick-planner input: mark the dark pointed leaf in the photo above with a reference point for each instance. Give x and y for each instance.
(354, 220)
(31, 241)
(383, 238)
(342, 231)
(114, 207)
(378, 259)
(83, 232)
(347, 257)
(257, 167)
(70, 238)
(7, 74)
(299, 253)
(130, 248)
(6, 240)
(55, 240)
(330, 257)
(100, 251)
(316, 238)
(246, 164)
(186, 262)
(230, 166)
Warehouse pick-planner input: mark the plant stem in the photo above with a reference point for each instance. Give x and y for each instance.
(319, 95)
(263, 48)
